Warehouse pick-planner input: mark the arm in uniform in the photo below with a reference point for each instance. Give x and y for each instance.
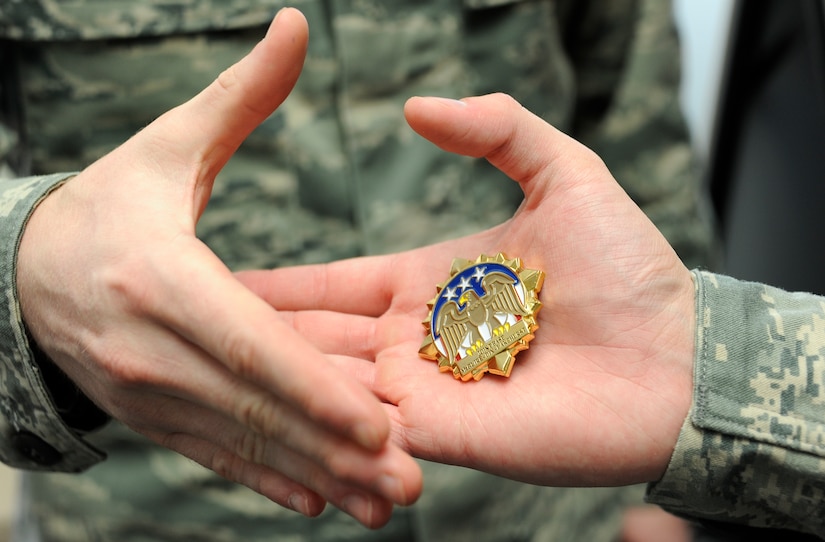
(38, 430)
(752, 450)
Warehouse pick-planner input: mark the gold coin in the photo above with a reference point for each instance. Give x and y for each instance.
(482, 316)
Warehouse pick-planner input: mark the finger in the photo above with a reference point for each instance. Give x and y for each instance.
(497, 127)
(367, 286)
(255, 409)
(339, 286)
(211, 309)
(211, 126)
(369, 509)
(388, 472)
(334, 467)
(362, 370)
(565, 184)
(269, 483)
(334, 332)
(220, 118)
(201, 301)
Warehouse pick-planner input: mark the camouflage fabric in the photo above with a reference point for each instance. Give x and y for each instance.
(18, 375)
(8, 141)
(753, 448)
(50, 20)
(334, 173)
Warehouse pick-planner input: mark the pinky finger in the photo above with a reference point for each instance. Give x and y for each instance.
(368, 508)
(273, 485)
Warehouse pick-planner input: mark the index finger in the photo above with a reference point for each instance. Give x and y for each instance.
(354, 286)
(203, 302)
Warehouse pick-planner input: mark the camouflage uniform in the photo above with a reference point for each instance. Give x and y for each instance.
(333, 173)
(753, 448)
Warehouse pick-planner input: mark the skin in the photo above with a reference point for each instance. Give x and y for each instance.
(652, 524)
(117, 290)
(600, 396)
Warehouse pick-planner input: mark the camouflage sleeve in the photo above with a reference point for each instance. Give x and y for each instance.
(628, 111)
(33, 435)
(753, 448)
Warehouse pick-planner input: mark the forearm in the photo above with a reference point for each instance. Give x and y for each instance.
(753, 448)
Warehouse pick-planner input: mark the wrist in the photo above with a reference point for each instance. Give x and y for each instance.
(76, 410)
(679, 368)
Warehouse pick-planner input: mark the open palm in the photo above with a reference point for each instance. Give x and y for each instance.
(600, 395)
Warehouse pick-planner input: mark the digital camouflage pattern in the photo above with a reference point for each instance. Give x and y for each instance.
(753, 448)
(334, 173)
(71, 20)
(17, 372)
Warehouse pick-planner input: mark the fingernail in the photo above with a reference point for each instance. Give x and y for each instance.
(367, 436)
(451, 102)
(275, 20)
(299, 503)
(391, 487)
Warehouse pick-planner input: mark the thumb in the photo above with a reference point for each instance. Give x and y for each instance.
(498, 128)
(201, 135)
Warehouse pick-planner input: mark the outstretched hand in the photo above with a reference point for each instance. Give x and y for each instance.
(149, 323)
(601, 394)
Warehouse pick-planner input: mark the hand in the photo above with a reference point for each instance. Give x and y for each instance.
(600, 396)
(115, 287)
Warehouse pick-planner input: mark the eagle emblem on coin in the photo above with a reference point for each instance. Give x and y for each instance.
(482, 316)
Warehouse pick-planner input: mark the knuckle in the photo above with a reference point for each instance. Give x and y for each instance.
(121, 368)
(241, 354)
(262, 416)
(338, 463)
(231, 82)
(252, 447)
(506, 101)
(125, 282)
(227, 464)
(268, 424)
(228, 79)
